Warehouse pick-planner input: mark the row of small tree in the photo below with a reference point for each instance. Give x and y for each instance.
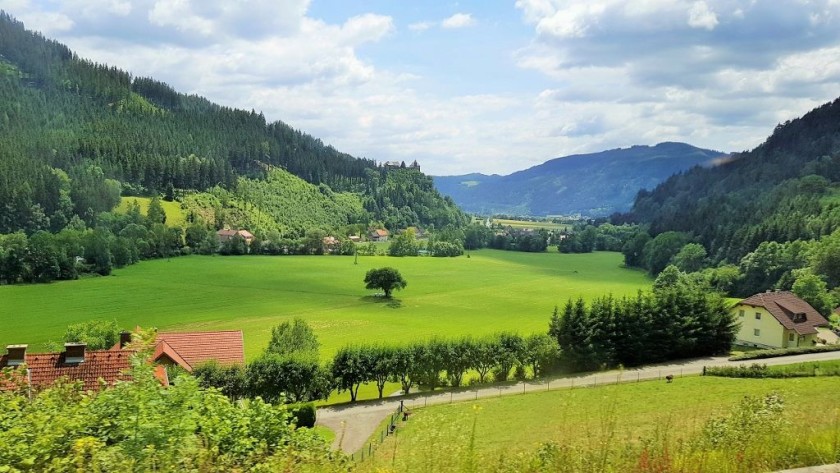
(440, 362)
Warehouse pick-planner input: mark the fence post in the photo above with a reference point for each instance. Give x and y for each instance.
(548, 386)
(638, 376)
(476, 394)
(450, 397)
(523, 387)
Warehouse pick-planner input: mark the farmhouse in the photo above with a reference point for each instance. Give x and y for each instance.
(780, 319)
(379, 234)
(93, 368)
(190, 349)
(228, 234)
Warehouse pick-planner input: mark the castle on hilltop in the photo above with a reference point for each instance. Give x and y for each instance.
(400, 165)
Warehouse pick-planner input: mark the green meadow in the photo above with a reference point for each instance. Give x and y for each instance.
(607, 421)
(488, 292)
(174, 215)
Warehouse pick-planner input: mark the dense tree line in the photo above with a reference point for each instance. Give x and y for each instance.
(675, 321)
(477, 235)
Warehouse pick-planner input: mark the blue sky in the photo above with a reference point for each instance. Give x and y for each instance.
(477, 86)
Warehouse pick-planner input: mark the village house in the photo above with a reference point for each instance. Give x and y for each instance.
(379, 234)
(187, 350)
(94, 369)
(780, 319)
(228, 234)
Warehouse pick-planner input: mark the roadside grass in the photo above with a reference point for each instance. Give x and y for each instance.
(174, 216)
(446, 297)
(622, 427)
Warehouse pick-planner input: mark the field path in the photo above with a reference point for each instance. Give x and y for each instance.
(353, 424)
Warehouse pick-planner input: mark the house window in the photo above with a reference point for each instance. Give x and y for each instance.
(741, 312)
(758, 316)
(757, 332)
(790, 337)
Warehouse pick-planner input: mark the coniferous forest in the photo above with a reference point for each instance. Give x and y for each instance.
(75, 136)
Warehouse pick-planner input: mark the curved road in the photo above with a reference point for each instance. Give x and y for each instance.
(353, 424)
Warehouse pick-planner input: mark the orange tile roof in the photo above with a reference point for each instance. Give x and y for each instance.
(194, 348)
(783, 306)
(47, 368)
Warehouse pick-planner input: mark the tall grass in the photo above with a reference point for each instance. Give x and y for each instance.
(765, 432)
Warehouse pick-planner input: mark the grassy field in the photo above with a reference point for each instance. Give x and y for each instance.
(174, 216)
(489, 292)
(438, 438)
(529, 224)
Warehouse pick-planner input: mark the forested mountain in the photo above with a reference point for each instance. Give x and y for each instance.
(595, 184)
(74, 135)
(786, 189)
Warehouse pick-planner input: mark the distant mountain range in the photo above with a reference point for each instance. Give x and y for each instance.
(594, 184)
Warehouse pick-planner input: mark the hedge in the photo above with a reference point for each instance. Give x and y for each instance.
(775, 352)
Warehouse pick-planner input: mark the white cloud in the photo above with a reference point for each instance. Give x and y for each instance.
(458, 20)
(701, 16)
(421, 26)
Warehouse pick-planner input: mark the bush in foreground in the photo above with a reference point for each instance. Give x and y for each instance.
(142, 426)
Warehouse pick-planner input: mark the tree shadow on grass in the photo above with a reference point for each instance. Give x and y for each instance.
(391, 303)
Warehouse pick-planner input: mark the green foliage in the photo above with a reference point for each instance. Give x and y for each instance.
(812, 289)
(388, 279)
(691, 258)
(799, 370)
(287, 378)
(304, 415)
(404, 244)
(97, 334)
(293, 338)
(776, 352)
(675, 321)
(230, 380)
(751, 418)
(155, 212)
(142, 426)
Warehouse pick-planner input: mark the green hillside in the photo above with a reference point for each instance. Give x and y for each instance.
(73, 133)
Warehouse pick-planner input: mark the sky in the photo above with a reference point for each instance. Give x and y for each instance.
(486, 86)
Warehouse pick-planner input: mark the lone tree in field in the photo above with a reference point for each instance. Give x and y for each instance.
(386, 279)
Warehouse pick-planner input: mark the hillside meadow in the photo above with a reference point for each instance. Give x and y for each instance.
(489, 292)
(629, 427)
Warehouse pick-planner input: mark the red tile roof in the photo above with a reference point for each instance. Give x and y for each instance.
(190, 349)
(46, 368)
(786, 307)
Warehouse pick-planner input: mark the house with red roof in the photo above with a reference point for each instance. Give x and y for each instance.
(94, 369)
(780, 319)
(187, 350)
(380, 234)
(228, 234)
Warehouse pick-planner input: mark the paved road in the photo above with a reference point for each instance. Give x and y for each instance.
(355, 423)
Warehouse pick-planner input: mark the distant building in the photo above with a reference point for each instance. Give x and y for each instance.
(780, 319)
(379, 234)
(401, 165)
(228, 234)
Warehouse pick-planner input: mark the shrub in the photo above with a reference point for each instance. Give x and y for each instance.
(304, 414)
(753, 371)
(776, 352)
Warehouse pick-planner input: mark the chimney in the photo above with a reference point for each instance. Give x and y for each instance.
(16, 355)
(74, 352)
(125, 338)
